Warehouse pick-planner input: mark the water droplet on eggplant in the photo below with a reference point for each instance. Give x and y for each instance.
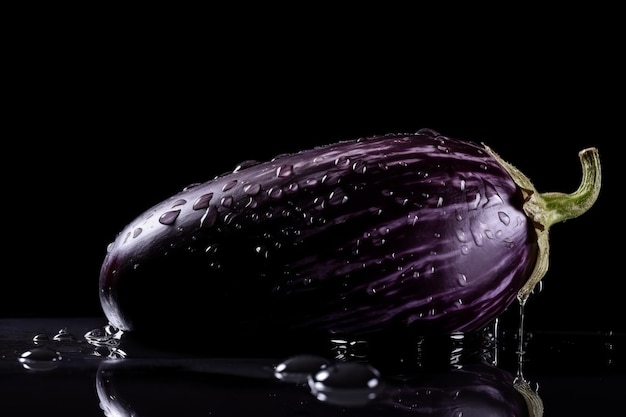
(229, 185)
(284, 171)
(191, 186)
(342, 162)
(203, 201)
(179, 202)
(310, 182)
(359, 167)
(209, 217)
(462, 280)
(252, 189)
(337, 196)
(169, 217)
(245, 164)
(275, 193)
(227, 201)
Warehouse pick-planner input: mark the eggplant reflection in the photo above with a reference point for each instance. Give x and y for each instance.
(347, 388)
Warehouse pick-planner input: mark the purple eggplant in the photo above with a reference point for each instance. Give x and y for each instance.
(418, 232)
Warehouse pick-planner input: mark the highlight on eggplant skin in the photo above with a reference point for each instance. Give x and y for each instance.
(418, 232)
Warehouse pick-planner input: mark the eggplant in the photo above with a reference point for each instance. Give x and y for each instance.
(414, 232)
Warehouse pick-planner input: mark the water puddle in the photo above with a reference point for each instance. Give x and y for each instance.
(492, 372)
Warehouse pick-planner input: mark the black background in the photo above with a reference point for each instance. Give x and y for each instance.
(106, 119)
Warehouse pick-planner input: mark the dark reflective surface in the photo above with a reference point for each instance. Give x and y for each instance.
(80, 367)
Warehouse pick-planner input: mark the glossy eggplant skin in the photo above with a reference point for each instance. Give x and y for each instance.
(400, 231)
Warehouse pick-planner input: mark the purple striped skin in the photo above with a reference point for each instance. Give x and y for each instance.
(402, 231)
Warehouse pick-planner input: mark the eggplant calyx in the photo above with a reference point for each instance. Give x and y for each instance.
(546, 209)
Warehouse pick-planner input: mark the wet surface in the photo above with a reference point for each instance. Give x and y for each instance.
(83, 367)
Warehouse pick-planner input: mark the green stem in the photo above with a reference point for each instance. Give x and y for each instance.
(550, 208)
(546, 209)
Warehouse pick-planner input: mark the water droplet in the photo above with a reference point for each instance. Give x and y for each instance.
(440, 202)
(331, 178)
(64, 335)
(96, 334)
(229, 218)
(310, 182)
(318, 203)
(462, 184)
(504, 218)
(337, 196)
(292, 188)
(252, 189)
(40, 338)
(436, 235)
(427, 132)
(262, 250)
(461, 236)
(229, 185)
(209, 217)
(108, 336)
(462, 280)
(384, 230)
(245, 164)
(473, 201)
(169, 217)
(179, 202)
(203, 201)
(346, 383)
(137, 232)
(359, 167)
(227, 201)
(478, 237)
(342, 162)
(284, 171)
(191, 186)
(375, 211)
(275, 192)
(40, 359)
(212, 249)
(464, 249)
(412, 219)
(297, 369)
